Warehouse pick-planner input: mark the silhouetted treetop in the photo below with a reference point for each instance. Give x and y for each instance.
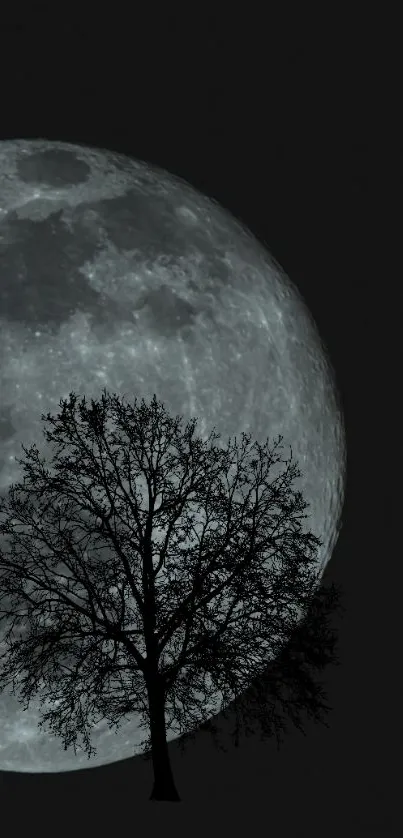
(147, 570)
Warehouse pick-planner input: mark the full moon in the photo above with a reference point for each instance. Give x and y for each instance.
(116, 274)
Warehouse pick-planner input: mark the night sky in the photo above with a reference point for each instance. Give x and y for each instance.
(284, 131)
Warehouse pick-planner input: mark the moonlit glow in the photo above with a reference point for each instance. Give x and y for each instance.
(116, 274)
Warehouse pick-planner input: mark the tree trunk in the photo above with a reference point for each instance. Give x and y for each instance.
(164, 786)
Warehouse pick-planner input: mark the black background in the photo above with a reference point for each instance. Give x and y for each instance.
(290, 126)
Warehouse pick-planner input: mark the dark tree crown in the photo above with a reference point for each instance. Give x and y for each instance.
(143, 560)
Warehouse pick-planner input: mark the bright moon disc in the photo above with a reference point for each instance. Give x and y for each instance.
(116, 274)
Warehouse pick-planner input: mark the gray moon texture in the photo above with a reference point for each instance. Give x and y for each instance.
(116, 274)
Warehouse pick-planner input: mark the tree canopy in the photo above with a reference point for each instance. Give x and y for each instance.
(146, 570)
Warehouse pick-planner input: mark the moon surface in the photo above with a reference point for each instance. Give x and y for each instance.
(116, 274)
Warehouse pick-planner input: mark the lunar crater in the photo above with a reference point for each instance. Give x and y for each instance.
(54, 167)
(168, 312)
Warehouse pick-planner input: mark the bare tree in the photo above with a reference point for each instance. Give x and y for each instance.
(145, 570)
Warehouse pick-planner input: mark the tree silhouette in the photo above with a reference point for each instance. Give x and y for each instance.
(145, 570)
